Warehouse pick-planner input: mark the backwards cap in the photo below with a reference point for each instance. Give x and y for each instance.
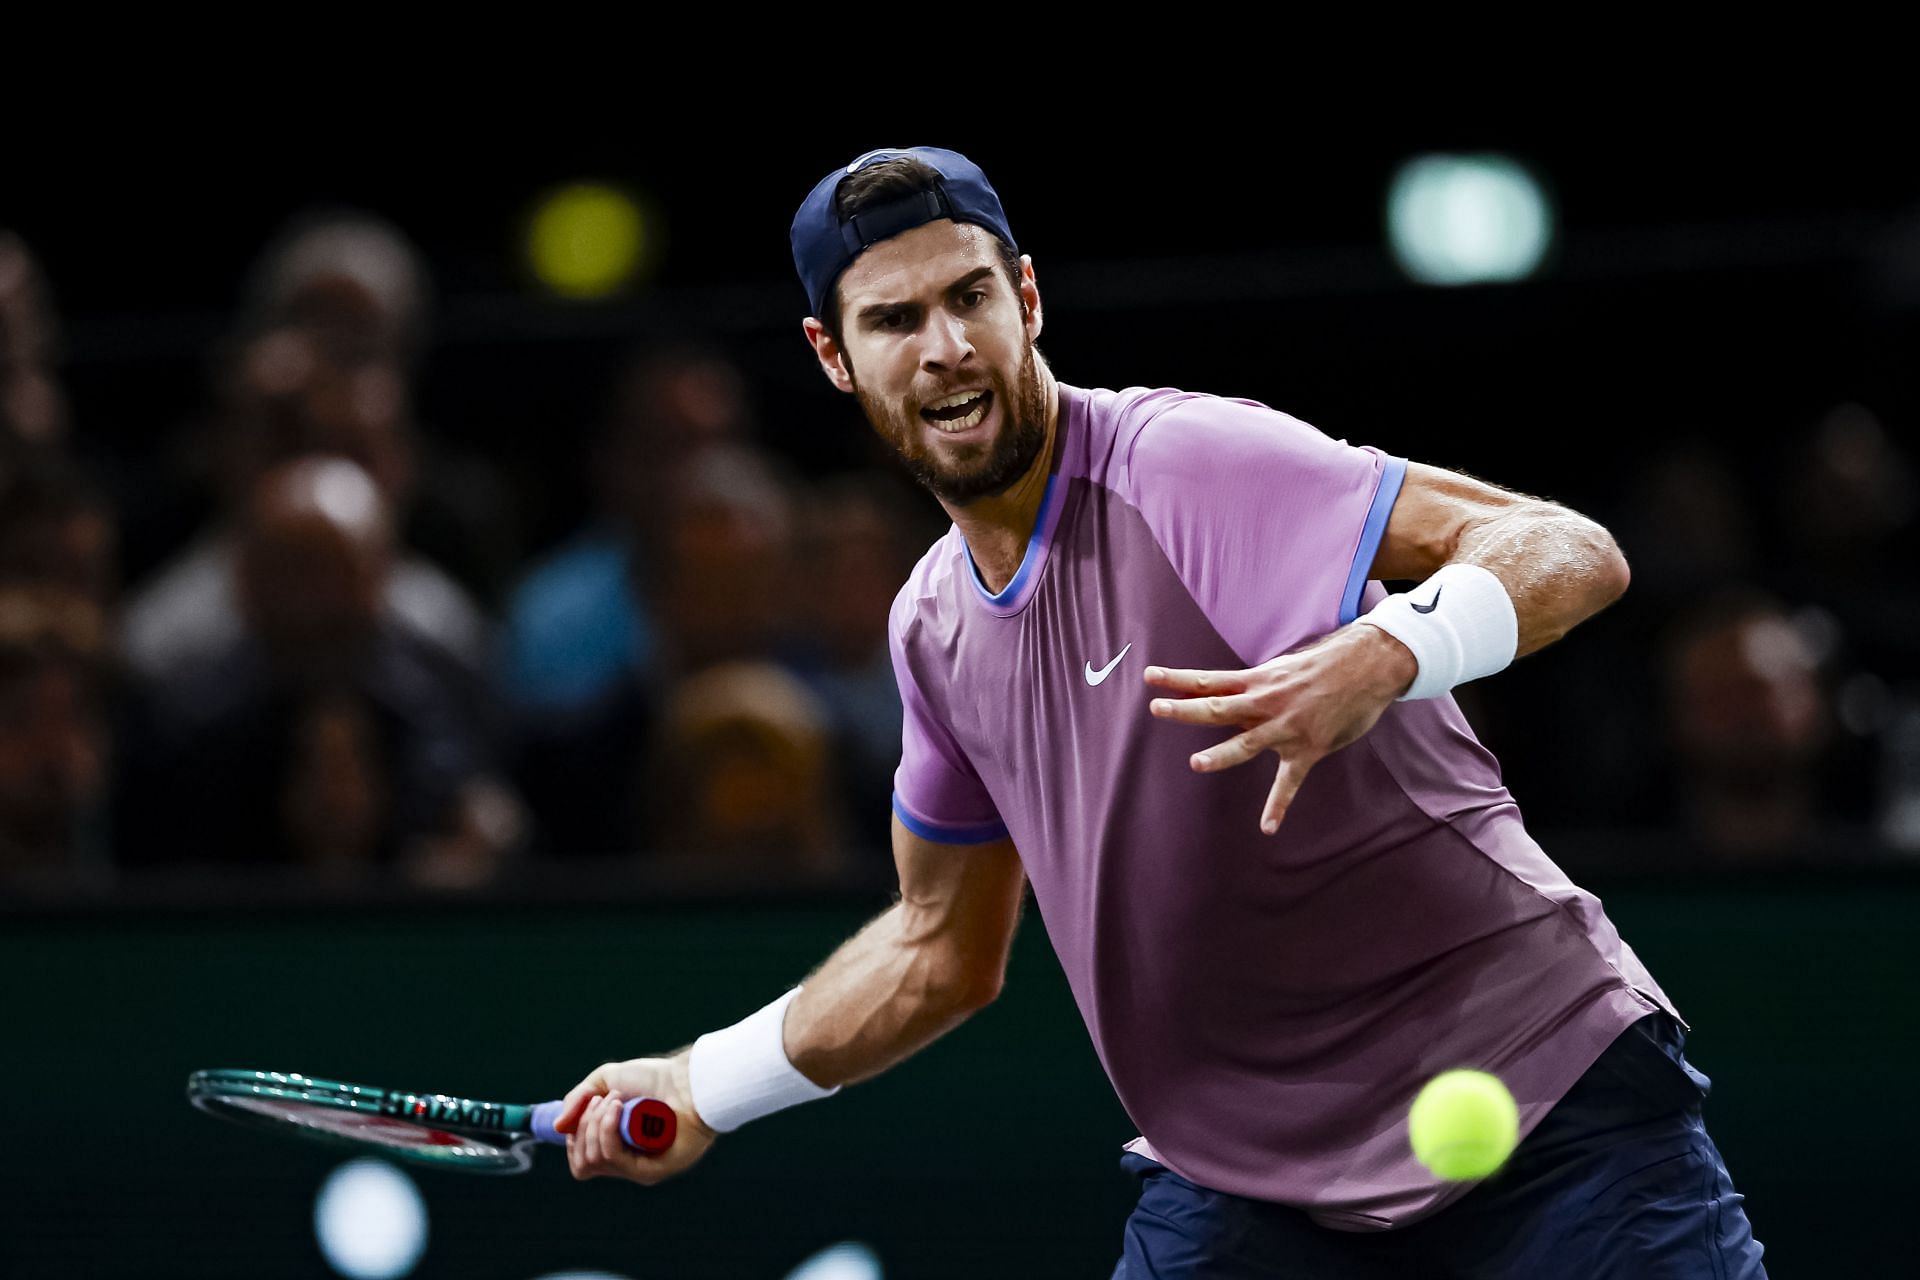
(825, 244)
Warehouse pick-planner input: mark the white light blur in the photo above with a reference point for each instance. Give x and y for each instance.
(849, 1260)
(370, 1221)
(345, 493)
(1468, 220)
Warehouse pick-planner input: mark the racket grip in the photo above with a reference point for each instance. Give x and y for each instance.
(647, 1125)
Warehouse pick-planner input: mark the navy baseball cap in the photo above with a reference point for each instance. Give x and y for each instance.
(825, 244)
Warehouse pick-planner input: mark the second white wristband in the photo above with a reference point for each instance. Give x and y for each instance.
(742, 1072)
(1459, 623)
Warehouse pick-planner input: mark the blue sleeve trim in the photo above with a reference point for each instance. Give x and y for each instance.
(1370, 534)
(940, 834)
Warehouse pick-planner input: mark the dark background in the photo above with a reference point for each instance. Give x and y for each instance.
(1729, 284)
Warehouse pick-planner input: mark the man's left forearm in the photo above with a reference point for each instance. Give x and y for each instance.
(1559, 567)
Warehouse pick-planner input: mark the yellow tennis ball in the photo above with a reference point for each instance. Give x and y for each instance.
(1464, 1125)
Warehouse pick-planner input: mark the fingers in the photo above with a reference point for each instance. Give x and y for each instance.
(1286, 784)
(1217, 709)
(577, 1098)
(596, 1130)
(577, 1144)
(1225, 755)
(612, 1148)
(596, 1147)
(1294, 764)
(1197, 682)
(596, 1142)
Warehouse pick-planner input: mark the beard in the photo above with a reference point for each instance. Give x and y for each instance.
(967, 473)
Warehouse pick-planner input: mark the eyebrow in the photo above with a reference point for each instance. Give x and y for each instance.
(874, 310)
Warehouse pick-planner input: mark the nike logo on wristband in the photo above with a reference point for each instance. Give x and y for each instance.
(1432, 604)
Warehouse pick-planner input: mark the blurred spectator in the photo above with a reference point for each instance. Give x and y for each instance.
(285, 397)
(743, 780)
(360, 288)
(323, 359)
(54, 738)
(1850, 489)
(667, 406)
(724, 570)
(1690, 525)
(1577, 727)
(33, 406)
(291, 392)
(860, 542)
(57, 531)
(351, 279)
(581, 622)
(1753, 735)
(1849, 501)
(325, 732)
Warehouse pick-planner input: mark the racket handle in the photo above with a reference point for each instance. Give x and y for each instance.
(647, 1125)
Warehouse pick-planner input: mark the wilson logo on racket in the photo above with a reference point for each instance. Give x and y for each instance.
(443, 1110)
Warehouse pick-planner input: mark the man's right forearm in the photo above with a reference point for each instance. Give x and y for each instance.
(888, 992)
(911, 975)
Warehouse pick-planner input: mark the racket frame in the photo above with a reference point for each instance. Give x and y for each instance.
(500, 1137)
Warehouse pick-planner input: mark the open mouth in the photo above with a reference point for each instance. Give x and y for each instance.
(957, 413)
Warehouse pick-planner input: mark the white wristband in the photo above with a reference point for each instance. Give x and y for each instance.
(1472, 632)
(742, 1073)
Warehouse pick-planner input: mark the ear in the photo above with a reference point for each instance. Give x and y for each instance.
(1030, 297)
(827, 352)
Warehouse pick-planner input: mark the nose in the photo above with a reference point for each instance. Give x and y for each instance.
(947, 345)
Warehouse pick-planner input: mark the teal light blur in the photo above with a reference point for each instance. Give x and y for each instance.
(1468, 219)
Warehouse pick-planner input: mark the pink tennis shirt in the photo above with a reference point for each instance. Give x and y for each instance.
(1265, 1006)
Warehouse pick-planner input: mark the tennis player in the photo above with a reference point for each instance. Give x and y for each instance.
(1144, 593)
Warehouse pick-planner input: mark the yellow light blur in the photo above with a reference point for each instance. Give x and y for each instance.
(586, 240)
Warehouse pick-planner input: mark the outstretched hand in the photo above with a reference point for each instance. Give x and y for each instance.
(590, 1117)
(1302, 706)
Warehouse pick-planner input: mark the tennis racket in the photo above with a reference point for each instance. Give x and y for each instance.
(422, 1128)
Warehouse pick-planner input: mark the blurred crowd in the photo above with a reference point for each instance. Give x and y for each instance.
(349, 667)
(1754, 699)
(345, 660)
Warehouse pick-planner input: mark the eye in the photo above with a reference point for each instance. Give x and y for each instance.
(973, 297)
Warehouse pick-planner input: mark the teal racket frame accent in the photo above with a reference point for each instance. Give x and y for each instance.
(431, 1129)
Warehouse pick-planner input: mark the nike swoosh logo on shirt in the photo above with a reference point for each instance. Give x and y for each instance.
(1095, 677)
(1432, 604)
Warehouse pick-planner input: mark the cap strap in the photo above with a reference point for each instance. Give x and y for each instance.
(864, 230)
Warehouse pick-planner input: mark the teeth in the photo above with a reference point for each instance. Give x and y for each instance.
(961, 424)
(953, 400)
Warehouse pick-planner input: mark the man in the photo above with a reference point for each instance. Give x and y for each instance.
(327, 732)
(323, 363)
(1269, 970)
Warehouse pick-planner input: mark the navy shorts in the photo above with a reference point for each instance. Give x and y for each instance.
(1619, 1182)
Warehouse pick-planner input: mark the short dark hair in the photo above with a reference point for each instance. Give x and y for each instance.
(883, 182)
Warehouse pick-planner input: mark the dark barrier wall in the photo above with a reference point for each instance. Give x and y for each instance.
(992, 1154)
